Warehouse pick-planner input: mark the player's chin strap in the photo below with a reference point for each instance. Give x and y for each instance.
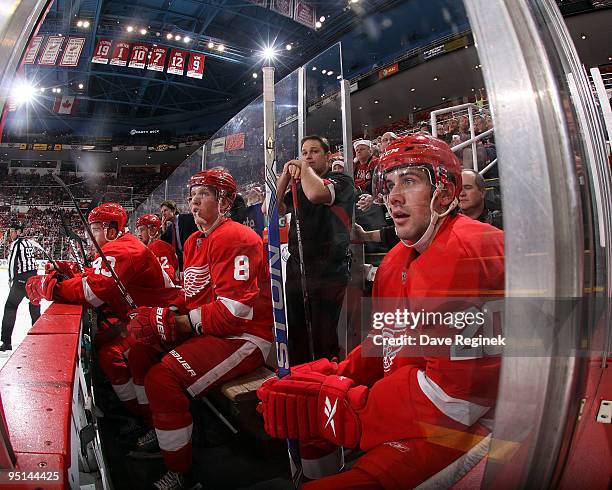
(435, 222)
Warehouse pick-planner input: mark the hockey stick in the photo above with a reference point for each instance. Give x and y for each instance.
(274, 257)
(74, 239)
(126, 296)
(307, 315)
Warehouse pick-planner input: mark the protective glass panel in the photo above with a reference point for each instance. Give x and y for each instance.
(323, 100)
(286, 95)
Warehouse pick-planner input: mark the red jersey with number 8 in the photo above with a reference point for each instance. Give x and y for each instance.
(226, 283)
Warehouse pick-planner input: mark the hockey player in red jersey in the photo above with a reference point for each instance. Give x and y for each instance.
(139, 271)
(226, 318)
(412, 410)
(148, 228)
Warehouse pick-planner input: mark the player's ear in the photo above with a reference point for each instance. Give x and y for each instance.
(447, 194)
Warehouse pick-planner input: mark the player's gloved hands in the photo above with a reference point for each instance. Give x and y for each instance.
(309, 406)
(152, 324)
(321, 366)
(65, 268)
(39, 287)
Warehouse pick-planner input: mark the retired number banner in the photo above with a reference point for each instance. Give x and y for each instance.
(51, 50)
(305, 14)
(102, 51)
(195, 69)
(139, 55)
(176, 65)
(157, 59)
(121, 52)
(33, 49)
(72, 52)
(284, 7)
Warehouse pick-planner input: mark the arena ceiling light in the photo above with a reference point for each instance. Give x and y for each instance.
(269, 53)
(177, 37)
(169, 36)
(129, 28)
(289, 47)
(211, 45)
(23, 92)
(221, 48)
(143, 31)
(186, 39)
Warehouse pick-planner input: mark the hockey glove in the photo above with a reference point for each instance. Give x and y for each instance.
(321, 366)
(152, 324)
(310, 406)
(39, 287)
(65, 268)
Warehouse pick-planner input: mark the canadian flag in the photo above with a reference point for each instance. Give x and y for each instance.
(64, 104)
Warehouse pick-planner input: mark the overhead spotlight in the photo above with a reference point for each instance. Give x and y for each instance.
(322, 18)
(339, 77)
(143, 31)
(414, 108)
(86, 24)
(318, 24)
(354, 1)
(583, 36)
(360, 107)
(390, 116)
(255, 75)
(412, 89)
(221, 48)
(211, 45)
(435, 79)
(169, 35)
(473, 90)
(186, 39)
(376, 101)
(443, 98)
(324, 72)
(269, 53)
(314, 68)
(129, 28)
(80, 23)
(177, 37)
(158, 34)
(330, 73)
(59, 90)
(289, 47)
(81, 86)
(42, 89)
(23, 92)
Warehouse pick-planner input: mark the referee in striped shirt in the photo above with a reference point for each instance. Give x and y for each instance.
(22, 266)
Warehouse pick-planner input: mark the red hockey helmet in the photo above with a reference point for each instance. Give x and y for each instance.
(149, 220)
(107, 213)
(419, 150)
(219, 179)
